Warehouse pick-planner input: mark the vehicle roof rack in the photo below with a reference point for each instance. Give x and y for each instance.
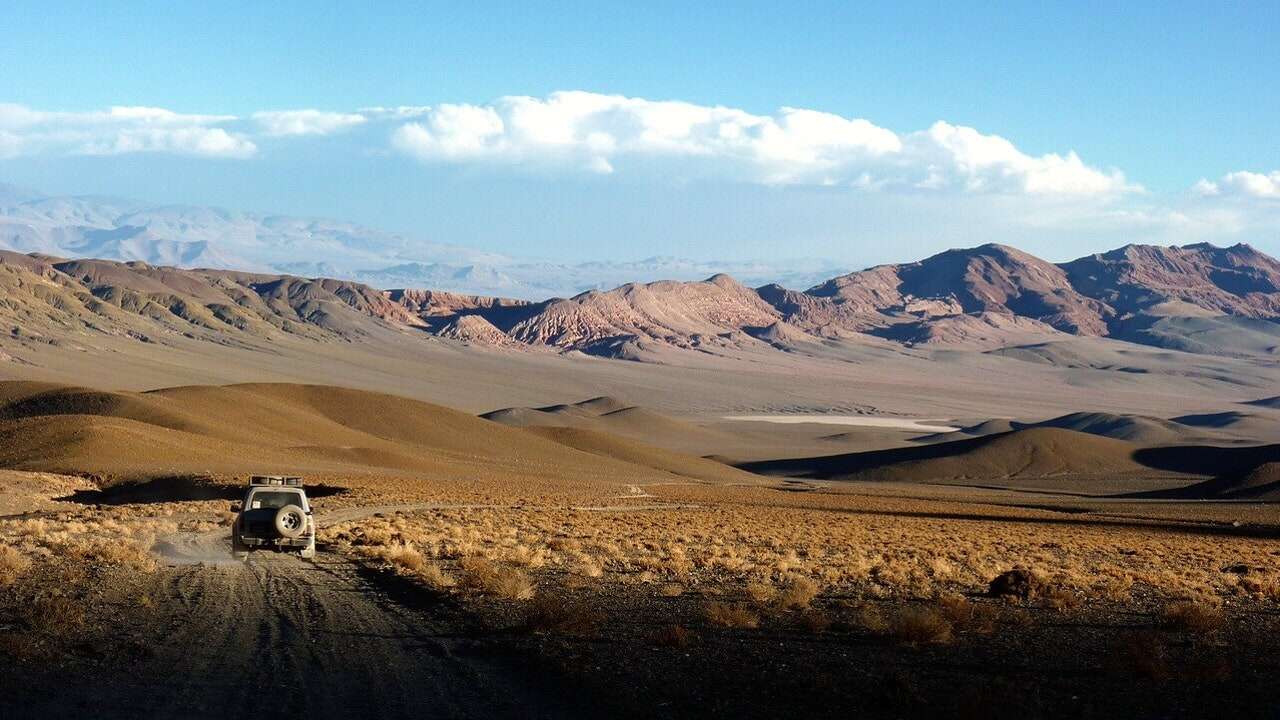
(287, 480)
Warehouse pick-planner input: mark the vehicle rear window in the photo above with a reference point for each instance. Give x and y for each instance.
(274, 499)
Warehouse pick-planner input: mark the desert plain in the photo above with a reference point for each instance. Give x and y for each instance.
(1007, 491)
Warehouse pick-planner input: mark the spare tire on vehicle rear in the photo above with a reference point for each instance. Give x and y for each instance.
(290, 521)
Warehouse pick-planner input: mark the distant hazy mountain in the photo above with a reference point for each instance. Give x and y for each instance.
(204, 237)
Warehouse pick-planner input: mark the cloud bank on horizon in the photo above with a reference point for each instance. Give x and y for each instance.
(578, 131)
(946, 175)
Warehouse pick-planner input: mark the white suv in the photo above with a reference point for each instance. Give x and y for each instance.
(275, 514)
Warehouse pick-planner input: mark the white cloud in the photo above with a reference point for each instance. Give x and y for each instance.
(1242, 184)
(600, 133)
(964, 157)
(400, 112)
(280, 123)
(118, 130)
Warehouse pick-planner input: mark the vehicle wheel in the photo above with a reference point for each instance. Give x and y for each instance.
(290, 521)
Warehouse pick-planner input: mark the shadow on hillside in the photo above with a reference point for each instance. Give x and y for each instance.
(1206, 461)
(826, 466)
(180, 488)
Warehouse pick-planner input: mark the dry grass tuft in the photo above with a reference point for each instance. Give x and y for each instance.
(728, 615)
(676, 636)
(403, 557)
(761, 592)
(548, 615)
(54, 615)
(814, 621)
(504, 581)
(868, 618)
(377, 535)
(671, 590)
(588, 567)
(968, 616)
(112, 553)
(920, 626)
(1060, 599)
(13, 564)
(1191, 617)
(435, 577)
(797, 594)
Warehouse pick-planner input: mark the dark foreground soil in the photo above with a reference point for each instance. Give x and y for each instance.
(284, 637)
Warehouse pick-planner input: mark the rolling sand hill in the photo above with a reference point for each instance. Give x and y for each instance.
(636, 453)
(1242, 473)
(1140, 430)
(1037, 458)
(1032, 452)
(1056, 460)
(317, 430)
(610, 415)
(1137, 429)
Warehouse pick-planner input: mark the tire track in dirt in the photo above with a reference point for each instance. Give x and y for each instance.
(279, 636)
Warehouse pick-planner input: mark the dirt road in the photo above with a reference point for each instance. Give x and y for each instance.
(279, 636)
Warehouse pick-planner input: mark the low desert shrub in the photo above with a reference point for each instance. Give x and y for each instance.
(551, 615)
(797, 594)
(671, 590)
(868, 618)
(729, 615)
(13, 564)
(435, 577)
(503, 581)
(374, 536)
(920, 626)
(676, 636)
(814, 621)
(1191, 617)
(112, 553)
(968, 616)
(1018, 583)
(1116, 589)
(55, 615)
(1059, 598)
(405, 558)
(588, 567)
(761, 592)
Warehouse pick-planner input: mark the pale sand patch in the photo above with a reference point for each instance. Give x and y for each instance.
(859, 420)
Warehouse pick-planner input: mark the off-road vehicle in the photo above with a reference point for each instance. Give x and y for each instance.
(275, 515)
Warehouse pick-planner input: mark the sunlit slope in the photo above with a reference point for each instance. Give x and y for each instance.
(242, 429)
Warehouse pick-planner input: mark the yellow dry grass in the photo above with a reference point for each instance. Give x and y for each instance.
(13, 563)
(784, 555)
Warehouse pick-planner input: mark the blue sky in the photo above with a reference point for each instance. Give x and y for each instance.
(1170, 109)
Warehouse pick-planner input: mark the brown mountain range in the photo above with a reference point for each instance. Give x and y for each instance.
(1199, 297)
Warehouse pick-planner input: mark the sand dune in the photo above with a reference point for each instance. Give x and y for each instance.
(630, 451)
(1137, 429)
(328, 431)
(1261, 482)
(1141, 430)
(1032, 452)
(1057, 460)
(614, 416)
